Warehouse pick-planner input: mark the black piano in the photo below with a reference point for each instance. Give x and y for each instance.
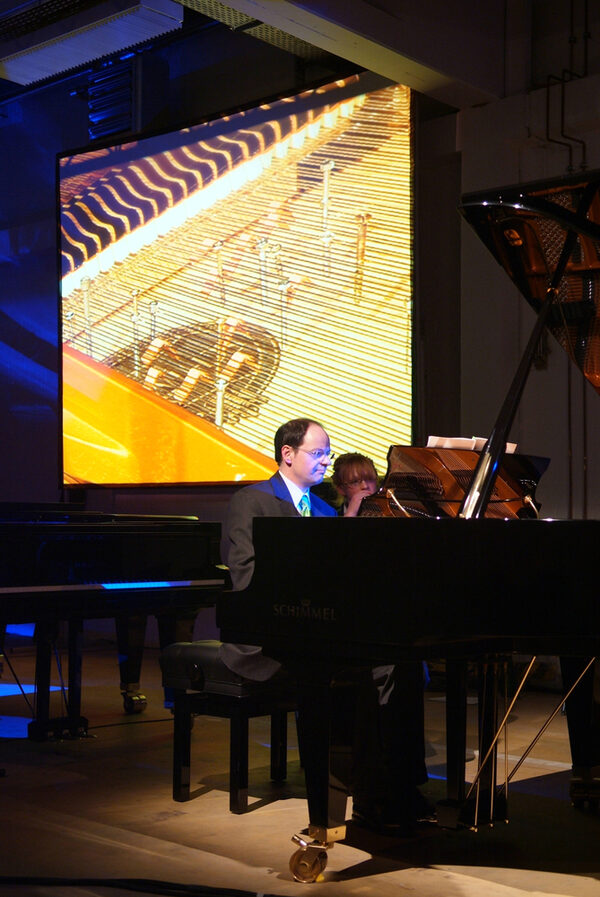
(427, 528)
(60, 564)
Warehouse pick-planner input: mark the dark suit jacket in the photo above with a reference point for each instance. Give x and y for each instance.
(268, 499)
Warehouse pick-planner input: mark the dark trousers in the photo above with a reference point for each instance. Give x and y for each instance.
(131, 635)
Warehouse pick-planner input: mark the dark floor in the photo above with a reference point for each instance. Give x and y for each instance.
(100, 809)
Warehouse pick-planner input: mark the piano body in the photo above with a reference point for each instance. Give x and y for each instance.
(432, 482)
(63, 565)
(442, 566)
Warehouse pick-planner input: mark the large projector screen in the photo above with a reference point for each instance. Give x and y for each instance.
(226, 277)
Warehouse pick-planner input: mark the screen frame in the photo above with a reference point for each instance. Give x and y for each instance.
(368, 82)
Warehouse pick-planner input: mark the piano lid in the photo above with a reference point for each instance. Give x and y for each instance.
(526, 228)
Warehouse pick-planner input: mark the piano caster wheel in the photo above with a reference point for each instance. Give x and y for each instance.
(308, 863)
(134, 702)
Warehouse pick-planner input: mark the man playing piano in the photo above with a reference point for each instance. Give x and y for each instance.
(389, 745)
(303, 453)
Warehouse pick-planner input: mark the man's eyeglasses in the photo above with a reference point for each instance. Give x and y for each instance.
(318, 454)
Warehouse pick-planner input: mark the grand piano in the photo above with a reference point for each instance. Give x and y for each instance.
(440, 563)
(61, 564)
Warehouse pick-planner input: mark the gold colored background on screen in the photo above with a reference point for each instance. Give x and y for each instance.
(214, 292)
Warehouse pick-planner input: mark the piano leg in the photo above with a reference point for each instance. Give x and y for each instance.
(448, 810)
(46, 635)
(583, 721)
(77, 724)
(326, 793)
(483, 803)
(489, 804)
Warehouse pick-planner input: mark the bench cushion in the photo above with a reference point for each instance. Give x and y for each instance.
(197, 666)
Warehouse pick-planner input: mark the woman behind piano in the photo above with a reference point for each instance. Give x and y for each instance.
(354, 477)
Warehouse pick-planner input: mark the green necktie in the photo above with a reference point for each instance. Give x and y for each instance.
(304, 506)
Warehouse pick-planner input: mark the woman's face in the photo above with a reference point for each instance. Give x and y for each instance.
(358, 479)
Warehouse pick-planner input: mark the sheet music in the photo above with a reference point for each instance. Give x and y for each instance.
(474, 443)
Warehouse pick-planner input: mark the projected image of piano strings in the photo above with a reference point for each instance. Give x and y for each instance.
(250, 270)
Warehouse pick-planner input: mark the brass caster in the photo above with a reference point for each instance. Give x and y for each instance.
(308, 863)
(134, 702)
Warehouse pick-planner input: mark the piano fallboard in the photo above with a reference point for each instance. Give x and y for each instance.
(380, 589)
(57, 569)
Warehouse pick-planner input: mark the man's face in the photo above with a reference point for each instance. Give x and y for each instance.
(306, 465)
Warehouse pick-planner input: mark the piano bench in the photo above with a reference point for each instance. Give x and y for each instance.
(203, 686)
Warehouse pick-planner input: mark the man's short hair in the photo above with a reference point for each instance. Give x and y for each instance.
(292, 433)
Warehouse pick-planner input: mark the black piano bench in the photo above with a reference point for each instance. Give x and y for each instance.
(203, 686)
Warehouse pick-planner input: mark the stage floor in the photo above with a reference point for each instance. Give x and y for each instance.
(100, 808)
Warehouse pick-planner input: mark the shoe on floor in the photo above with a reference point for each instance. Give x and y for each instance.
(424, 809)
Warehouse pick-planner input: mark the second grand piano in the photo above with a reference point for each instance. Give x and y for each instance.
(61, 564)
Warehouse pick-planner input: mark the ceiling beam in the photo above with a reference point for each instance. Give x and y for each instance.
(401, 46)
